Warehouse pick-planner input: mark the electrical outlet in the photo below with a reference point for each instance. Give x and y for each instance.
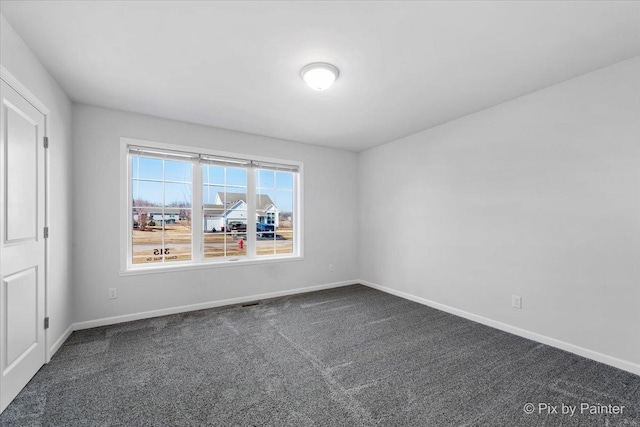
(516, 301)
(331, 267)
(113, 293)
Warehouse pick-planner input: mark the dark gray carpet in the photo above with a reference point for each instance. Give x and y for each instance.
(351, 356)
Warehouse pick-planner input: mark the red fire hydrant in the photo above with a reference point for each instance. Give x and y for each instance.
(241, 243)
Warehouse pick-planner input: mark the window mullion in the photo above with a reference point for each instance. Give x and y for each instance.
(164, 203)
(129, 260)
(251, 213)
(297, 214)
(197, 213)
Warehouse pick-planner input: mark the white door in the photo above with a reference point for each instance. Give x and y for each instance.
(22, 245)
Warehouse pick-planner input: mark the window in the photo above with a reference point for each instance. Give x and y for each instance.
(225, 211)
(198, 208)
(161, 210)
(274, 202)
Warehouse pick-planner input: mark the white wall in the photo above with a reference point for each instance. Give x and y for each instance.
(330, 197)
(18, 59)
(538, 197)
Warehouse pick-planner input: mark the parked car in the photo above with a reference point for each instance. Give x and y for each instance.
(265, 227)
(237, 226)
(265, 230)
(262, 230)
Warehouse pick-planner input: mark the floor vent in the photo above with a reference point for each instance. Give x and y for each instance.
(250, 304)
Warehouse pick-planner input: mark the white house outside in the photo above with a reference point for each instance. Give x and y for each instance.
(233, 208)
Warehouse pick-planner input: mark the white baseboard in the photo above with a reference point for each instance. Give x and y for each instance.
(625, 365)
(56, 345)
(201, 306)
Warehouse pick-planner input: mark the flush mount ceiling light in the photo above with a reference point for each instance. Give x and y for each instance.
(319, 75)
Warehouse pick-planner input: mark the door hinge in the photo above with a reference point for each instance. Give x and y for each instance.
(46, 323)
(46, 142)
(46, 232)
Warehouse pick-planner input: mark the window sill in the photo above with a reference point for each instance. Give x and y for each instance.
(205, 265)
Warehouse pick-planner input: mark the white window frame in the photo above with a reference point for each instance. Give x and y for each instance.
(197, 240)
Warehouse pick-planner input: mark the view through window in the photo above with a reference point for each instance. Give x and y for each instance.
(161, 210)
(274, 209)
(248, 208)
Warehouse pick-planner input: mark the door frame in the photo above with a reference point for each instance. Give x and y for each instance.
(22, 90)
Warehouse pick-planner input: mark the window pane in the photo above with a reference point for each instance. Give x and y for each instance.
(236, 176)
(148, 168)
(265, 246)
(267, 192)
(265, 226)
(284, 180)
(213, 221)
(284, 201)
(236, 198)
(177, 247)
(231, 244)
(236, 244)
(265, 207)
(146, 239)
(177, 171)
(141, 217)
(284, 234)
(147, 193)
(213, 174)
(177, 221)
(266, 178)
(235, 210)
(177, 195)
(146, 247)
(210, 194)
(214, 245)
(135, 163)
(185, 218)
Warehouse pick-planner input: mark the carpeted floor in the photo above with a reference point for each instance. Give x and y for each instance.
(350, 356)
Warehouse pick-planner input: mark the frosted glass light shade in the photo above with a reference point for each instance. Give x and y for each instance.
(319, 75)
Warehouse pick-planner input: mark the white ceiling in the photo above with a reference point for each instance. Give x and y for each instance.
(404, 66)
